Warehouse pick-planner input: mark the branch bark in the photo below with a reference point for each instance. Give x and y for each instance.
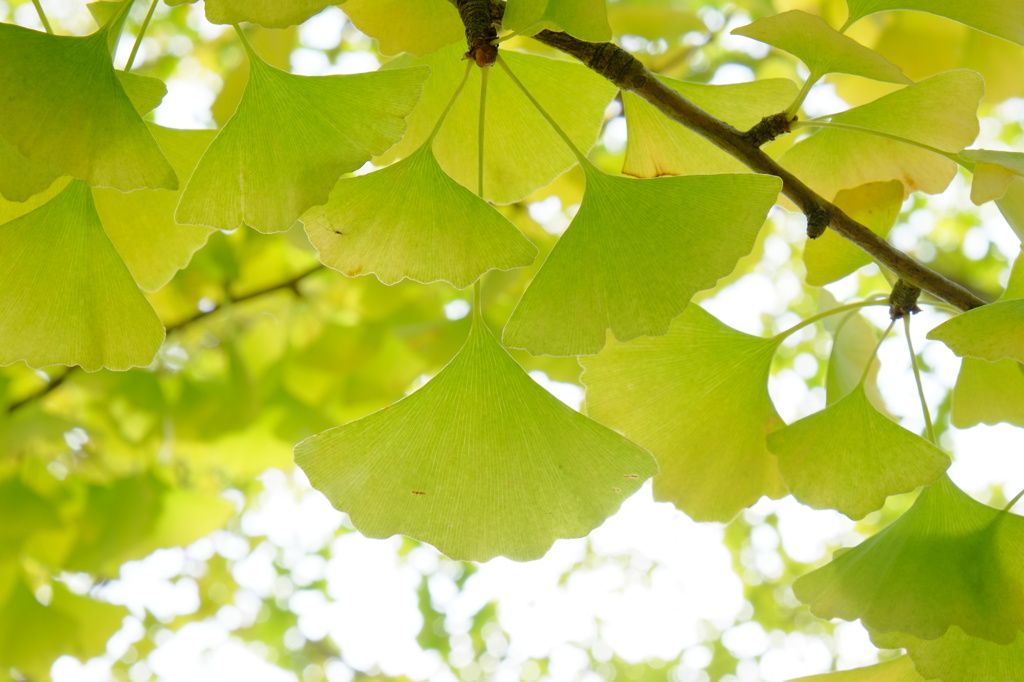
(628, 73)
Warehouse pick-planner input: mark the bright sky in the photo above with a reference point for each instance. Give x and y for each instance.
(370, 609)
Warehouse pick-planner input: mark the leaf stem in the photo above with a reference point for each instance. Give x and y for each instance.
(1014, 501)
(138, 39)
(792, 109)
(929, 428)
(580, 156)
(783, 335)
(814, 123)
(245, 43)
(480, 133)
(42, 16)
(874, 354)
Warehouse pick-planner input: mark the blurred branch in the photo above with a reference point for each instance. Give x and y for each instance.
(628, 73)
(291, 283)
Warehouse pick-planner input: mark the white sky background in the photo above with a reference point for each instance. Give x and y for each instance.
(370, 610)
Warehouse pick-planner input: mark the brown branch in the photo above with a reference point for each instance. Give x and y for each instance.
(628, 73)
(292, 283)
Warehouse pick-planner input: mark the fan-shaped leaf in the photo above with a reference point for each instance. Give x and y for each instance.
(849, 457)
(144, 92)
(939, 112)
(521, 151)
(875, 205)
(68, 299)
(141, 224)
(993, 172)
(955, 657)
(697, 398)
(65, 107)
(657, 145)
(411, 220)
(992, 332)
(20, 178)
(947, 561)
(988, 393)
(635, 254)
(822, 48)
(425, 26)
(479, 462)
(1003, 18)
(269, 13)
(290, 140)
(1011, 205)
(584, 19)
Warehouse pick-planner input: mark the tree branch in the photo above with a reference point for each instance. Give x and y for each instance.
(291, 283)
(628, 73)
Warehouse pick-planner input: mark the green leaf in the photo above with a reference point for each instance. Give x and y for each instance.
(411, 220)
(68, 298)
(988, 393)
(20, 178)
(956, 657)
(875, 205)
(947, 561)
(657, 145)
(853, 346)
(635, 254)
(583, 19)
(993, 172)
(141, 224)
(822, 48)
(992, 332)
(1003, 18)
(479, 462)
(144, 92)
(290, 140)
(897, 670)
(268, 13)
(521, 151)
(849, 457)
(425, 26)
(32, 636)
(697, 398)
(939, 112)
(91, 130)
(1011, 205)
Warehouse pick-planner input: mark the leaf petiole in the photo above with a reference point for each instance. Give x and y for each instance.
(874, 354)
(870, 131)
(875, 300)
(794, 108)
(138, 39)
(448, 108)
(929, 429)
(42, 16)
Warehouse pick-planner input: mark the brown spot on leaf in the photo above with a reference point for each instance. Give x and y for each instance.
(631, 476)
(616, 490)
(418, 492)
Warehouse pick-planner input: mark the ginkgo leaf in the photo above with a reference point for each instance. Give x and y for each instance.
(412, 220)
(1011, 205)
(848, 457)
(988, 393)
(875, 205)
(68, 298)
(290, 140)
(992, 332)
(521, 151)
(480, 462)
(657, 145)
(144, 92)
(583, 19)
(949, 560)
(1003, 18)
(993, 172)
(956, 657)
(938, 112)
(426, 25)
(822, 48)
(141, 224)
(897, 670)
(697, 398)
(64, 107)
(635, 254)
(269, 13)
(21, 178)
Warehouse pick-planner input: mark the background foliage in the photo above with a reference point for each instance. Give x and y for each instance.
(101, 472)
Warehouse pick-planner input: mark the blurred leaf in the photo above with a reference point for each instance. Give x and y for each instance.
(269, 13)
(955, 657)
(583, 19)
(1003, 18)
(897, 670)
(425, 25)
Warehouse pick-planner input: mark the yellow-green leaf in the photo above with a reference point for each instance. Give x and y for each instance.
(988, 393)
(67, 297)
(425, 26)
(290, 140)
(412, 220)
(65, 107)
(822, 48)
(479, 462)
(875, 205)
(269, 13)
(947, 561)
(657, 145)
(20, 178)
(1003, 18)
(697, 398)
(584, 19)
(635, 254)
(521, 151)
(849, 457)
(956, 657)
(993, 172)
(897, 670)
